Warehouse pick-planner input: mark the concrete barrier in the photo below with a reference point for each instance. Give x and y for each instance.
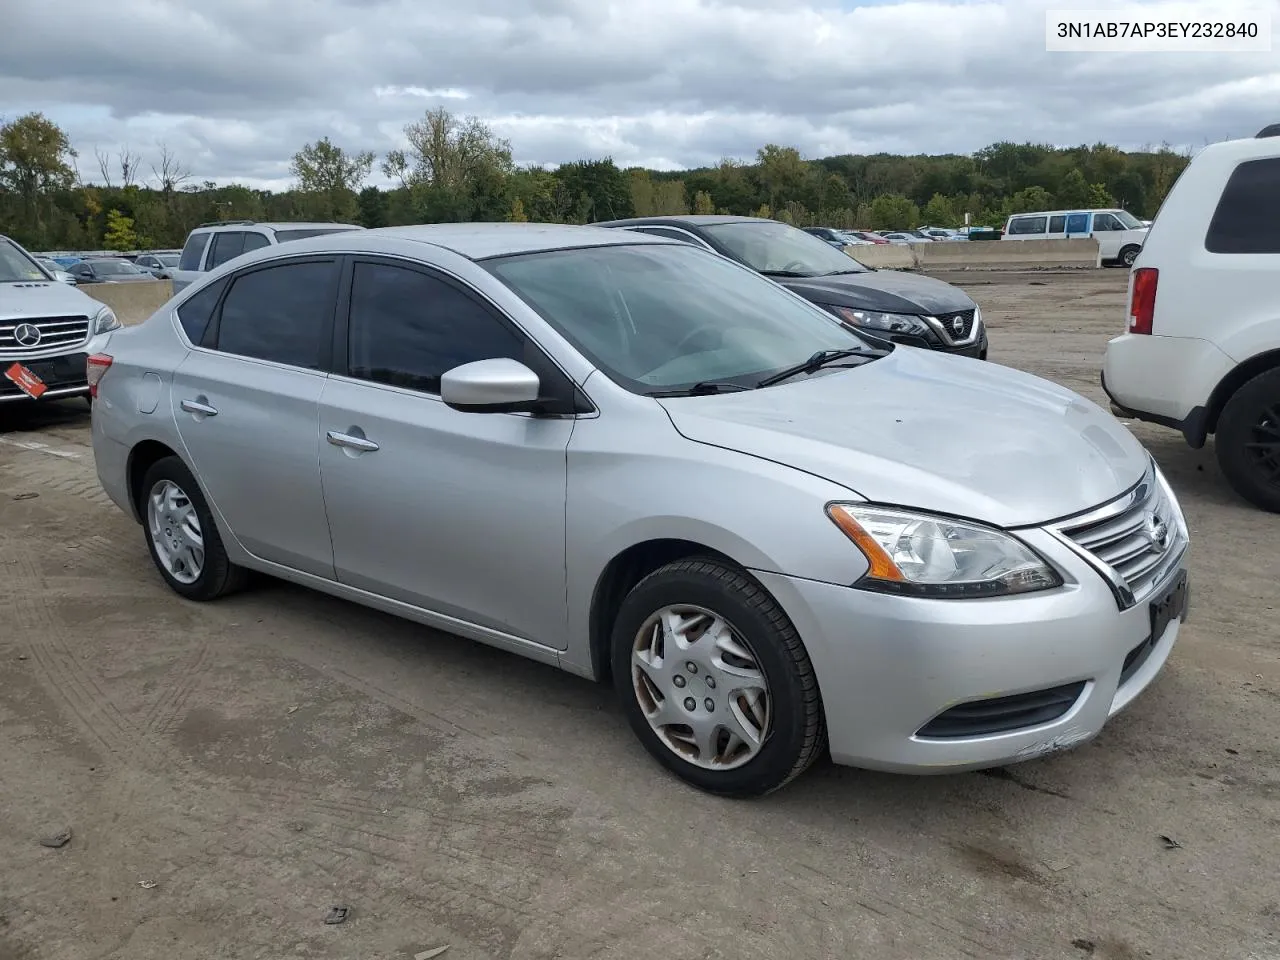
(996, 255)
(1008, 254)
(132, 302)
(892, 256)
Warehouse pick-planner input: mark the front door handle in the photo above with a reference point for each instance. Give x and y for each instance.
(363, 444)
(195, 406)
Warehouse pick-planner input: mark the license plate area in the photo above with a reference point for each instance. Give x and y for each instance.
(1169, 606)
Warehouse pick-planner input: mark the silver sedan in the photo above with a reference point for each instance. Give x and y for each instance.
(637, 460)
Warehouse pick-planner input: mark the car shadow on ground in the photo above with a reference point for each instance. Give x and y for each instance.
(17, 417)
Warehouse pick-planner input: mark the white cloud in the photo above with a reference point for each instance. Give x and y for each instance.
(236, 87)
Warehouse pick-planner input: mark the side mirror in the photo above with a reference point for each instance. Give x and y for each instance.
(499, 385)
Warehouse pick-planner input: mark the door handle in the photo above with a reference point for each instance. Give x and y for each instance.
(195, 406)
(347, 440)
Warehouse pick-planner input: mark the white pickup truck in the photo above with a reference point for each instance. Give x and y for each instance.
(47, 330)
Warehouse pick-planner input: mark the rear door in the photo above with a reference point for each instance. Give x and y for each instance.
(246, 401)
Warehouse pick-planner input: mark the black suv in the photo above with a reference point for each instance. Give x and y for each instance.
(902, 307)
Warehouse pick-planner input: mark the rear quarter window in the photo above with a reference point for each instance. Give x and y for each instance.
(1021, 225)
(1247, 219)
(193, 251)
(195, 312)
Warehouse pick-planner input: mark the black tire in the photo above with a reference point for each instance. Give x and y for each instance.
(219, 576)
(797, 734)
(1251, 417)
(1129, 254)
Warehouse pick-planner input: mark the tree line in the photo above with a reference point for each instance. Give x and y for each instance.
(456, 169)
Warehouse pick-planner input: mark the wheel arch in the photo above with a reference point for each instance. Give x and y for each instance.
(1240, 375)
(141, 458)
(621, 574)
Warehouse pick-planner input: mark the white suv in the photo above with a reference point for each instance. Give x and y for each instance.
(210, 245)
(1202, 351)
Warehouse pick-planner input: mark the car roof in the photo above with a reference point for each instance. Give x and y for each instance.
(689, 220)
(273, 225)
(476, 241)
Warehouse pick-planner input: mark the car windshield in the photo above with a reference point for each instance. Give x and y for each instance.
(1128, 219)
(777, 249)
(663, 317)
(16, 266)
(283, 236)
(114, 268)
(168, 259)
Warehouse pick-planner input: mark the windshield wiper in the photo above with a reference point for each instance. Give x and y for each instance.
(785, 273)
(840, 273)
(819, 360)
(703, 388)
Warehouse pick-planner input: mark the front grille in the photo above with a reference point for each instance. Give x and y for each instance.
(53, 332)
(1135, 539)
(958, 324)
(980, 718)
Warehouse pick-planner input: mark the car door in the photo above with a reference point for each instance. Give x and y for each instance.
(459, 513)
(246, 399)
(1109, 233)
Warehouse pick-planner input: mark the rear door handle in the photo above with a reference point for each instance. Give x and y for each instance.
(347, 440)
(195, 406)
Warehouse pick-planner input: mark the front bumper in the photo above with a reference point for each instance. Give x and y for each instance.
(888, 665)
(64, 376)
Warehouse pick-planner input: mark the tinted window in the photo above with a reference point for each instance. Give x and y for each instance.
(195, 313)
(1057, 224)
(253, 241)
(191, 253)
(225, 246)
(1077, 223)
(407, 328)
(281, 313)
(1247, 219)
(1105, 221)
(1028, 225)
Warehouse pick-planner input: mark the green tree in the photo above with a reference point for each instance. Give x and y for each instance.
(941, 211)
(890, 212)
(445, 151)
(600, 191)
(35, 161)
(328, 178)
(1030, 200)
(119, 234)
(703, 204)
(372, 204)
(1099, 196)
(517, 214)
(1073, 192)
(782, 172)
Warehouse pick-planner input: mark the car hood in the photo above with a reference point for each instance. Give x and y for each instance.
(938, 433)
(888, 291)
(44, 298)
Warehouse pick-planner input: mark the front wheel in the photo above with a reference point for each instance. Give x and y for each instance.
(1247, 441)
(715, 680)
(1129, 254)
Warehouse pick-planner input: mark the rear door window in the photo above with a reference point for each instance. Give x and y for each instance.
(226, 245)
(254, 241)
(1057, 224)
(282, 313)
(1078, 223)
(193, 251)
(1247, 219)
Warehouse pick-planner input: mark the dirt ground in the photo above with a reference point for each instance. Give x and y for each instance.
(232, 771)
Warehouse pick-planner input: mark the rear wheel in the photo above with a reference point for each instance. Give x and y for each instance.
(715, 681)
(1247, 441)
(181, 534)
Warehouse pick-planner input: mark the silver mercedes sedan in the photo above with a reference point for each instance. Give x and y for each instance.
(640, 461)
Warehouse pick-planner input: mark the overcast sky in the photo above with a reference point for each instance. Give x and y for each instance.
(235, 87)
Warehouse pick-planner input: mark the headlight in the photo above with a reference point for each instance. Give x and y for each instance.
(977, 316)
(105, 321)
(924, 556)
(874, 320)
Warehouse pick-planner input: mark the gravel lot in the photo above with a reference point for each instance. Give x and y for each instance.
(232, 771)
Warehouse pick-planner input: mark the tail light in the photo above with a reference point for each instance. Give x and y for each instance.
(1142, 303)
(95, 367)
